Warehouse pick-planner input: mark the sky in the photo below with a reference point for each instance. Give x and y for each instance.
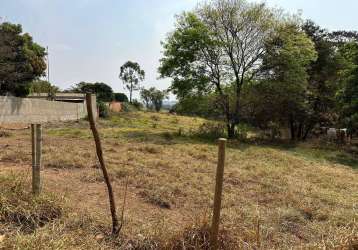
(89, 40)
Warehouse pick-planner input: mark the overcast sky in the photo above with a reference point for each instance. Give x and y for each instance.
(90, 39)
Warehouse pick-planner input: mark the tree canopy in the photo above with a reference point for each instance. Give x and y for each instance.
(21, 60)
(131, 75)
(103, 91)
(153, 98)
(219, 47)
(41, 86)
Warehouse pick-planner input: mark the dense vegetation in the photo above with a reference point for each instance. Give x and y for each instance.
(245, 62)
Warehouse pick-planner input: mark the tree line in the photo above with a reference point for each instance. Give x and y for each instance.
(23, 64)
(244, 62)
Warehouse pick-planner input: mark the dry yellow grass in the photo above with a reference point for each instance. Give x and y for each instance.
(275, 197)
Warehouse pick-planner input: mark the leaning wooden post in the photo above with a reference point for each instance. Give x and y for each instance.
(36, 134)
(115, 224)
(218, 194)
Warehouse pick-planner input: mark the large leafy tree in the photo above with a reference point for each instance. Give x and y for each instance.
(131, 75)
(220, 44)
(283, 92)
(21, 60)
(103, 91)
(322, 81)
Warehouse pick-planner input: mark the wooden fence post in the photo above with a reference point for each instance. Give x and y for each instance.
(218, 194)
(115, 223)
(36, 136)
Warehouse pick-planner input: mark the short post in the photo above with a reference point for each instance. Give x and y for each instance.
(218, 194)
(36, 131)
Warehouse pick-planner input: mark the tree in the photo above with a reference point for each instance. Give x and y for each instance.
(157, 97)
(21, 60)
(153, 98)
(347, 95)
(131, 74)
(219, 45)
(283, 92)
(145, 95)
(322, 82)
(103, 91)
(120, 97)
(40, 86)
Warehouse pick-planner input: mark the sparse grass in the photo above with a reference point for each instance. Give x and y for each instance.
(278, 196)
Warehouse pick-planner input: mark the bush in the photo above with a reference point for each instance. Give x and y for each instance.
(103, 110)
(242, 131)
(138, 105)
(211, 130)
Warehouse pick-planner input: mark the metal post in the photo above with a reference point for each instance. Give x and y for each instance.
(218, 194)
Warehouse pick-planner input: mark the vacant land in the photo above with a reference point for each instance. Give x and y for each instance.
(276, 196)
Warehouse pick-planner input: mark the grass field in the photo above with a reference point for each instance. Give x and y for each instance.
(276, 196)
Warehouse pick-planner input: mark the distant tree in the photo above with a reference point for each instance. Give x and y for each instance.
(40, 86)
(131, 75)
(103, 91)
(153, 98)
(145, 95)
(21, 60)
(120, 97)
(219, 45)
(157, 97)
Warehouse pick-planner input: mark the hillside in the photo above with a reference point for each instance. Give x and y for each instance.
(276, 196)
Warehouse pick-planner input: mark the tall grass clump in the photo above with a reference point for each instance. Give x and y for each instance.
(20, 210)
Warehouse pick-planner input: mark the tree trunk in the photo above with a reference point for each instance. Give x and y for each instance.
(309, 128)
(292, 128)
(130, 93)
(231, 130)
(299, 131)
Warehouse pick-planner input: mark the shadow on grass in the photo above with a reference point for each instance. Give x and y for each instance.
(333, 153)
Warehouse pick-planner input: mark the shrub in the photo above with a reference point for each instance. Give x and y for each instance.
(211, 130)
(103, 110)
(242, 131)
(138, 105)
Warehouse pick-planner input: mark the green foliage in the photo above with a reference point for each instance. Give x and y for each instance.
(242, 131)
(281, 96)
(347, 97)
(199, 105)
(211, 130)
(103, 92)
(120, 97)
(137, 104)
(131, 74)
(21, 60)
(219, 46)
(103, 109)
(153, 98)
(40, 86)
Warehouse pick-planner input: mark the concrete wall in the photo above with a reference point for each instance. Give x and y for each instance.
(24, 110)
